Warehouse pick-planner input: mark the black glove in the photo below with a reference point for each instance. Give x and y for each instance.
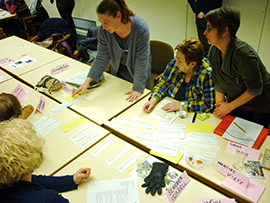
(155, 180)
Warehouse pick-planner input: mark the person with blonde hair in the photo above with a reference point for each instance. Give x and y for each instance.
(188, 77)
(124, 42)
(20, 155)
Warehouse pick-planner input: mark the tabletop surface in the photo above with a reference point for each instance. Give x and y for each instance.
(4, 76)
(59, 149)
(101, 104)
(209, 173)
(100, 170)
(40, 55)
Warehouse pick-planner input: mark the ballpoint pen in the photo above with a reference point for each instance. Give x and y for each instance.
(239, 127)
(194, 117)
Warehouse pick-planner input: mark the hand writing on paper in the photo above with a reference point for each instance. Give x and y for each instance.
(81, 174)
(133, 96)
(172, 106)
(83, 87)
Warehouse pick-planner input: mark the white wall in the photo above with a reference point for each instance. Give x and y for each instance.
(172, 21)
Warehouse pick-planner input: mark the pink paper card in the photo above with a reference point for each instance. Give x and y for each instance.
(68, 88)
(20, 93)
(41, 104)
(179, 185)
(60, 68)
(252, 192)
(235, 176)
(214, 200)
(1, 78)
(5, 61)
(252, 154)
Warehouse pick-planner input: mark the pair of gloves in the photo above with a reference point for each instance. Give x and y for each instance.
(155, 180)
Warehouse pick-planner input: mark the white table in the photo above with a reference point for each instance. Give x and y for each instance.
(102, 103)
(207, 175)
(59, 148)
(10, 48)
(100, 170)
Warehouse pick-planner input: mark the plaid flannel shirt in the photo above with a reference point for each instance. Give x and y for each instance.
(200, 92)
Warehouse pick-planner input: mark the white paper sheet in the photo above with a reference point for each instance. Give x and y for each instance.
(161, 115)
(142, 132)
(115, 126)
(140, 138)
(113, 191)
(118, 155)
(44, 125)
(141, 123)
(94, 137)
(117, 120)
(80, 133)
(122, 167)
(103, 146)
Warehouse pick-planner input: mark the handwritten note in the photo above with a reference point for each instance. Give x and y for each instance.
(178, 186)
(41, 104)
(252, 154)
(235, 176)
(5, 61)
(60, 68)
(20, 93)
(68, 88)
(214, 200)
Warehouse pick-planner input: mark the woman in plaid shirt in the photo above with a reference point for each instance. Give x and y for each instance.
(188, 77)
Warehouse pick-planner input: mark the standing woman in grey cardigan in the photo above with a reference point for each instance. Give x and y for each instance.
(123, 41)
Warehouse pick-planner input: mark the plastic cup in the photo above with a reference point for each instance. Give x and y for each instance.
(142, 166)
(239, 158)
(22, 50)
(183, 110)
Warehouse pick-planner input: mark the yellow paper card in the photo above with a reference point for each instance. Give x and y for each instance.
(172, 159)
(70, 98)
(201, 128)
(73, 124)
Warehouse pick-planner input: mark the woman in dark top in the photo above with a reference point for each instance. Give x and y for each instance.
(20, 154)
(12, 27)
(242, 83)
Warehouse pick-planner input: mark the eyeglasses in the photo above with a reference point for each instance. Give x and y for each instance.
(208, 28)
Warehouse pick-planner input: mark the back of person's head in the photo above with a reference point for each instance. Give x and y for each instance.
(192, 49)
(10, 107)
(224, 17)
(20, 150)
(111, 7)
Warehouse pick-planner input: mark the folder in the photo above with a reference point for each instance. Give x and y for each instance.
(226, 122)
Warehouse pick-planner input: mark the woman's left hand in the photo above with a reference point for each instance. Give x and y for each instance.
(133, 96)
(81, 174)
(172, 106)
(222, 109)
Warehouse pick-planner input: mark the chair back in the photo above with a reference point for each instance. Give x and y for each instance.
(162, 53)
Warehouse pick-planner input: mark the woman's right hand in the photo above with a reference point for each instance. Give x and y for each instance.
(83, 87)
(148, 106)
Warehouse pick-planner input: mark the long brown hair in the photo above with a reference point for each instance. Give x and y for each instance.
(111, 7)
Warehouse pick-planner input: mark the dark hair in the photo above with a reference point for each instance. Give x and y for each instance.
(224, 17)
(10, 107)
(192, 49)
(111, 7)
